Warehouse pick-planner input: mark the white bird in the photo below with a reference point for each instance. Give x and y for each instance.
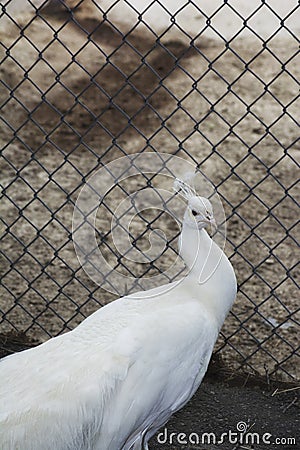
(113, 381)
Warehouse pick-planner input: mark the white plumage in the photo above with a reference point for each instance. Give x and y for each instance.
(112, 382)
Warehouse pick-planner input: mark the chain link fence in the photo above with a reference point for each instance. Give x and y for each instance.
(215, 83)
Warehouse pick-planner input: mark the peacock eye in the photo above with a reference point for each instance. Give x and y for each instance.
(194, 212)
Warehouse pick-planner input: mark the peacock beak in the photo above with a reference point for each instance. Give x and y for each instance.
(210, 222)
(213, 224)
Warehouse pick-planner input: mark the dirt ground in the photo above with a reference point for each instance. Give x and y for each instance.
(59, 126)
(220, 407)
(228, 403)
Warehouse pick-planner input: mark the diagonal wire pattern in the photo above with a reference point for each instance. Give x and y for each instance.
(92, 90)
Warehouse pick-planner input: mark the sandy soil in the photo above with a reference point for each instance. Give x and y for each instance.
(226, 19)
(210, 113)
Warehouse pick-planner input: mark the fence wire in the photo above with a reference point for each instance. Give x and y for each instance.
(84, 83)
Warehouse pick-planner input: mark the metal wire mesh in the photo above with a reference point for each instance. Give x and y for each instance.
(84, 83)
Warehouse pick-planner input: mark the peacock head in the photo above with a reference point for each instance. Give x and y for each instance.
(199, 211)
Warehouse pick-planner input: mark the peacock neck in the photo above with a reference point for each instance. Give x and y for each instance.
(209, 270)
(198, 251)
